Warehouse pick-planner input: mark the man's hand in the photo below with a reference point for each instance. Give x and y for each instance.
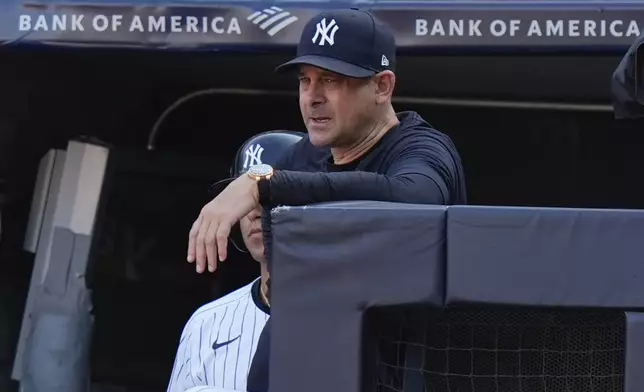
(208, 238)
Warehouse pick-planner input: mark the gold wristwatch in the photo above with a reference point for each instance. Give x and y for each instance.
(260, 172)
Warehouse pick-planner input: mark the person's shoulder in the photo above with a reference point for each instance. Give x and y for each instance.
(220, 305)
(436, 147)
(414, 129)
(303, 156)
(413, 124)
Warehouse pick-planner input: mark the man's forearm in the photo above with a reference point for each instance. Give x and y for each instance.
(298, 188)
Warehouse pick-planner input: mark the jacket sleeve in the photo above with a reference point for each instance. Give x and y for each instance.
(418, 173)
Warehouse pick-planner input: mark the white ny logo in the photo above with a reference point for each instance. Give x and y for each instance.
(322, 30)
(253, 155)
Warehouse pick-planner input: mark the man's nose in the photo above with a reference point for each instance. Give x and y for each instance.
(315, 94)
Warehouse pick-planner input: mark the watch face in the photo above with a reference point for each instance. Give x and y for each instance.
(260, 170)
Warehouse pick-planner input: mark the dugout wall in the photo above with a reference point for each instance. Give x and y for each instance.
(463, 298)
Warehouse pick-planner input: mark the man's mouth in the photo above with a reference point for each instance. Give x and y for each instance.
(320, 120)
(254, 231)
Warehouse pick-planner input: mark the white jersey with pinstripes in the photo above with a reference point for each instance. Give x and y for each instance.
(218, 342)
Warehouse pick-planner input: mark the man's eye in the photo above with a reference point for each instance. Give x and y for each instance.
(329, 80)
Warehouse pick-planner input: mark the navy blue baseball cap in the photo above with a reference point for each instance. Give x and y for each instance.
(349, 42)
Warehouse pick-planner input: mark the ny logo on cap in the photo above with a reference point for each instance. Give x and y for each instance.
(253, 156)
(325, 33)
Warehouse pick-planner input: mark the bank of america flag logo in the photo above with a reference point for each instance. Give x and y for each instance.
(272, 20)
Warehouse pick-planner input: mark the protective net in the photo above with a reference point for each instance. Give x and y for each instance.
(483, 350)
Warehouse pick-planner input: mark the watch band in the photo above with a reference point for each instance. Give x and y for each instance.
(264, 191)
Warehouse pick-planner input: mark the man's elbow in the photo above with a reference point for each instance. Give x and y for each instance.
(423, 191)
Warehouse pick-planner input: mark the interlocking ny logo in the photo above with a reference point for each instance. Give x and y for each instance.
(253, 155)
(326, 32)
(274, 18)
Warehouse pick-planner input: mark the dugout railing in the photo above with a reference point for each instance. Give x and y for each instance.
(390, 297)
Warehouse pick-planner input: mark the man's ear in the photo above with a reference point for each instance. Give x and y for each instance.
(385, 83)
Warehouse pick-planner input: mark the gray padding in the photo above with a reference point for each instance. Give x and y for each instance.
(330, 263)
(58, 358)
(62, 248)
(545, 256)
(79, 262)
(58, 340)
(634, 364)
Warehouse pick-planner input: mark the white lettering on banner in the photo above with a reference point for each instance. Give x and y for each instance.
(499, 28)
(454, 27)
(100, 23)
(193, 24)
(135, 23)
(56, 23)
(572, 28)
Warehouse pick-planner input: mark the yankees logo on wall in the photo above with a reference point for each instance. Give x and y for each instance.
(253, 155)
(325, 33)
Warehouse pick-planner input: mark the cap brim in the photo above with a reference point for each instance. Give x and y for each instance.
(327, 63)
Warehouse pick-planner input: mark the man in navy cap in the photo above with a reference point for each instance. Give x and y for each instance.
(357, 147)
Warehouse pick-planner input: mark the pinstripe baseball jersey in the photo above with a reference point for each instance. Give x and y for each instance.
(218, 342)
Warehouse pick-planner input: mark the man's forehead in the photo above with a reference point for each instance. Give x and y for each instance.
(310, 70)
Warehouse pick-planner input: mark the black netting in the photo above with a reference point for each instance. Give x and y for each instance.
(484, 350)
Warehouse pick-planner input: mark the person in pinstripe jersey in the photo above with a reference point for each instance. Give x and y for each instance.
(219, 340)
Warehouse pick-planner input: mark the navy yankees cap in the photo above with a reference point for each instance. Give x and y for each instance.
(349, 42)
(627, 84)
(266, 147)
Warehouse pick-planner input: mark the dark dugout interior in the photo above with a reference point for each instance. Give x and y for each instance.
(515, 153)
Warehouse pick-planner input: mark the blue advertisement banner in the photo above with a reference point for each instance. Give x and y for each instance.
(217, 27)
